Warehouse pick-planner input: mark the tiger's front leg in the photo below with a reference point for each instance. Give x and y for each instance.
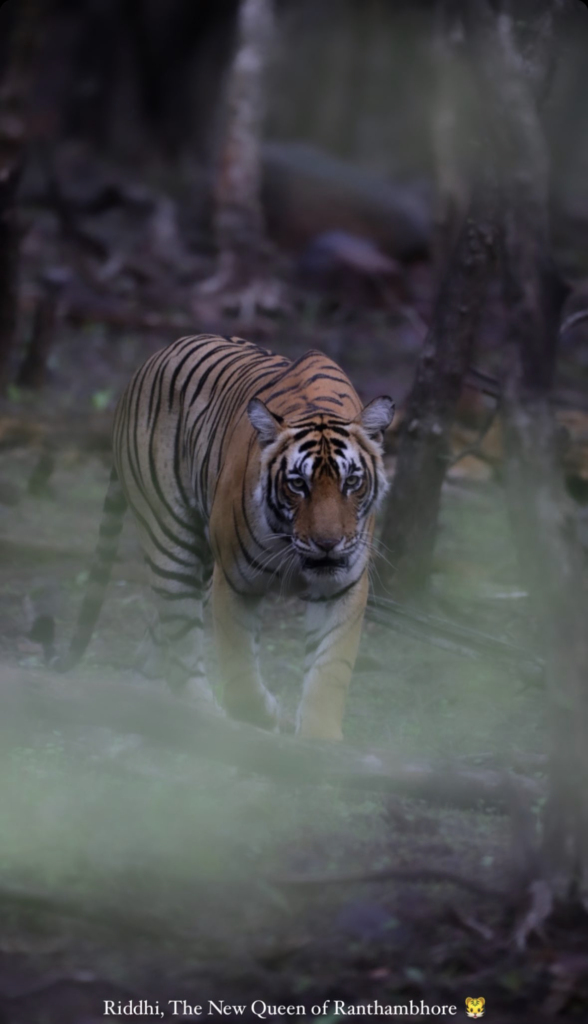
(236, 631)
(173, 648)
(333, 632)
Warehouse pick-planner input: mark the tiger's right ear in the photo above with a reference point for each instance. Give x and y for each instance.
(266, 423)
(377, 416)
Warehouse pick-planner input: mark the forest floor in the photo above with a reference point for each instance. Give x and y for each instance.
(176, 866)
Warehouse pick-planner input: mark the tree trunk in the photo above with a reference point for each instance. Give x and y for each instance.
(411, 511)
(449, 132)
(14, 95)
(463, 251)
(543, 521)
(9, 177)
(239, 225)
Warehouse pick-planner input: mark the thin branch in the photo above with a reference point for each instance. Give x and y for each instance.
(453, 636)
(573, 319)
(429, 876)
(476, 447)
(489, 385)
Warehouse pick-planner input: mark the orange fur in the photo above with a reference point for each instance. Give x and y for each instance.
(276, 467)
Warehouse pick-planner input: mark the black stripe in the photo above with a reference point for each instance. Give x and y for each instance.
(249, 558)
(173, 638)
(169, 574)
(335, 597)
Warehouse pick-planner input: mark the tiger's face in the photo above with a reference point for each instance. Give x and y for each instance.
(321, 480)
(475, 1007)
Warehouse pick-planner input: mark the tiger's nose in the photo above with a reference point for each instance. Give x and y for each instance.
(327, 543)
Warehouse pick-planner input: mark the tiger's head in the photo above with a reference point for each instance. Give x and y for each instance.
(321, 479)
(475, 1007)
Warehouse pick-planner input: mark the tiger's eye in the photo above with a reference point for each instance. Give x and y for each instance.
(353, 480)
(297, 483)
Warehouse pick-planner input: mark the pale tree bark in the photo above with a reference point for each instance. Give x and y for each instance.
(239, 222)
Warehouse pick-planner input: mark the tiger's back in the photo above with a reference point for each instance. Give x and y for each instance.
(191, 399)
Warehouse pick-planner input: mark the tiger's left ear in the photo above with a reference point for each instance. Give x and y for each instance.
(376, 416)
(266, 423)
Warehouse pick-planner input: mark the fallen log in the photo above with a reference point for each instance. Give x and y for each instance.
(39, 698)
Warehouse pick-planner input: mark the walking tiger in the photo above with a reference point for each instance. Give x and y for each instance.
(274, 469)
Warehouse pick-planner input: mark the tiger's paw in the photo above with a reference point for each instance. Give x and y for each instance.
(262, 709)
(286, 722)
(312, 727)
(198, 691)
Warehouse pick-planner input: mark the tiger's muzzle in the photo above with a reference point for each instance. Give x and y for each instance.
(324, 554)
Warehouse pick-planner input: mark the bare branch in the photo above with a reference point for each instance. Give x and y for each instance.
(454, 636)
(428, 876)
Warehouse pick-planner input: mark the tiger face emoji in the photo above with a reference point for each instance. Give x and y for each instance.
(475, 1007)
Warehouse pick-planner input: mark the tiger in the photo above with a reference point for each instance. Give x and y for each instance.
(267, 473)
(475, 1007)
